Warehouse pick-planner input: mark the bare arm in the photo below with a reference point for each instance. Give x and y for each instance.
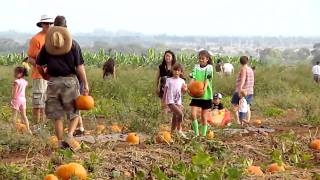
(242, 78)
(14, 90)
(83, 77)
(31, 61)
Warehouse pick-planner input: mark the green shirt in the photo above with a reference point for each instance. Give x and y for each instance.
(203, 74)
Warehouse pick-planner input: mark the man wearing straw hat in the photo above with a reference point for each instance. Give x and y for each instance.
(64, 61)
(39, 85)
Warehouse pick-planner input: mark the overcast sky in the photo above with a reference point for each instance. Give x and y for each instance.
(174, 17)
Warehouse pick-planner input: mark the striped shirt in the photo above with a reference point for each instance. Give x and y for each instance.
(249, 81)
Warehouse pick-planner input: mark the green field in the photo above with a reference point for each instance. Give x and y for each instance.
(286, 99)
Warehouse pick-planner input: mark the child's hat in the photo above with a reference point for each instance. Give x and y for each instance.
(217, 96)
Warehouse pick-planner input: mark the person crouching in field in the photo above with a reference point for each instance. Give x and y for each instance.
(18, 102)
(109, 68)
(174, 88)
(63, 57)
(202, 72)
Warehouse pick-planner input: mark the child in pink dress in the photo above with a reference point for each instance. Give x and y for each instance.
(174, 88)
(18, 101)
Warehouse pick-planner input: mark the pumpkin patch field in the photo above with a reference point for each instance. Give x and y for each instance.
(128, 137)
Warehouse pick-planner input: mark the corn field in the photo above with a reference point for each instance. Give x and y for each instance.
(150, 58)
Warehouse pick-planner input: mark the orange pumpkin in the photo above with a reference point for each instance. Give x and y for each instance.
(196, 89)
(115, 128)
(53, 140)
(78, 171)
(163, 137)
(315, 144)
(133, 138)
(66, 171)
(210, 135)
(50, 177)
(257, 122)
(275, 167)
(84, 102)
(100, 128)
(21, 128)
(254, 170)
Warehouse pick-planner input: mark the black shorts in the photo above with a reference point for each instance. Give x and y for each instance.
(203, 104)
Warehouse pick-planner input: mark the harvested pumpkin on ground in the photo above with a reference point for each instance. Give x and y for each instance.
(163, 137)
(315, 144)
(133, 138)
(275, 167)
(53, 140)
(115, 128)
(84, 102)
(100, 128)
(66, 171)
(257, 122)
(50, 177)
(210, 135)
(21, 128)
(254, 170)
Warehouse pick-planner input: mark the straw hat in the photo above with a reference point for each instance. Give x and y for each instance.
(45, 19)
(58, 40)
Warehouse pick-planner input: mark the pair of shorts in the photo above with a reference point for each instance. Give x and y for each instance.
(19, 104)
(39, 88)
(242, 116)
(235, 98)
(61, 95)
(203, 104)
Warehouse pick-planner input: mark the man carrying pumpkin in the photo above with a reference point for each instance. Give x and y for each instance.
(64, 61)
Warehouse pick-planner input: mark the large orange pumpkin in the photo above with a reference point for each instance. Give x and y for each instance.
(275, 167)
(133, 138)
(53, 140)
(84, 102)
(50, 177)
(78, 171)
(315, 144)
(21, 128)
(163, 137)
(196, 89)
(254, 170)
(66, 171)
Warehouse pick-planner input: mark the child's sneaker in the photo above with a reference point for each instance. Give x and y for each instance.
(73, 143)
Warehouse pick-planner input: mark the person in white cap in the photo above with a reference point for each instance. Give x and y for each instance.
(39, 85)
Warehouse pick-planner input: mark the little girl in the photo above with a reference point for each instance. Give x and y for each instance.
(18, 101)
(202, 72)
(174, 88)
(243, 107)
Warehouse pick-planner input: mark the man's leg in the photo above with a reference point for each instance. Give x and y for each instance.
(59, 129)
(249, 114)
(72, 126)
(36, 114)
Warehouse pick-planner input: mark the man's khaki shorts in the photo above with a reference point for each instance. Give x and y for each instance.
(61, 95)
(39, 89)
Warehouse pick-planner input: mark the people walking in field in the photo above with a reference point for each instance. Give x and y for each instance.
(64, 61)
(245, 82)
(316, 72)
(18, 102)
(243, 108)
(219, 67)
(228, 69)
(202, 72)
(164, 72)
(109, 68)
(174, 88)
(39, 85)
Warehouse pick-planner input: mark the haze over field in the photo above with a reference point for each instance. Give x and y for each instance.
(193, 17)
